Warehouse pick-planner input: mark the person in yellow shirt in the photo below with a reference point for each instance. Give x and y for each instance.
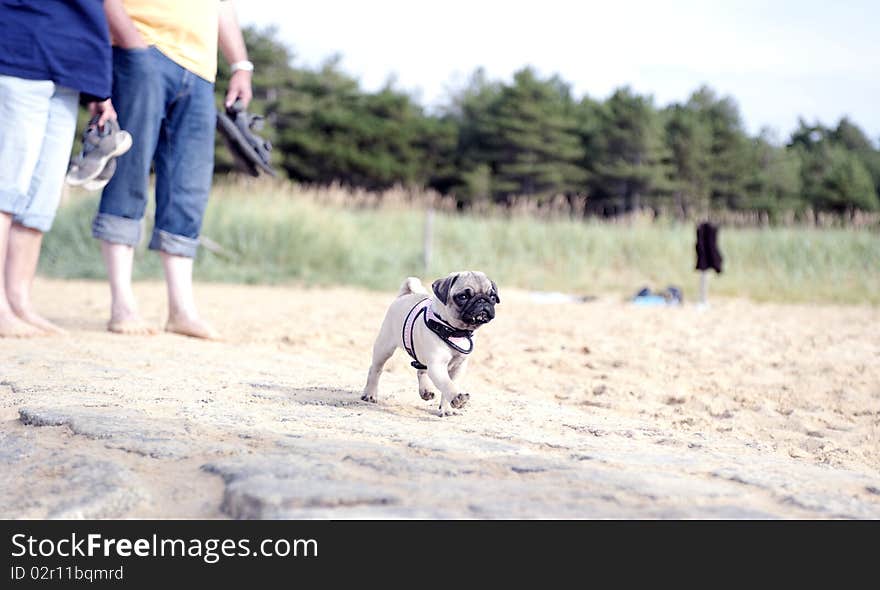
(164, 67)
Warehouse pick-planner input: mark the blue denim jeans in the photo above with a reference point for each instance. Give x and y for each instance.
(36, 134)
(171, 116)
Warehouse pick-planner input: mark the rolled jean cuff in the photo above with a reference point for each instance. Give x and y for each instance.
(116, 230)
(174, 244)
(12, 201)
(41, 223)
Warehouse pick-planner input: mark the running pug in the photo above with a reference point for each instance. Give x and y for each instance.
(437, 333)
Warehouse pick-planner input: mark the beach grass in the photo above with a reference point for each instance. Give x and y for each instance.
(284, 234)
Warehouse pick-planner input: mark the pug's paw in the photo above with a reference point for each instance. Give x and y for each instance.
(426, 394)
(369, 397)
(460, 400)
(446, 410)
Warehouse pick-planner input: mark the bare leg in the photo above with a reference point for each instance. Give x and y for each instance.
(124, 316)
(426, 390)
(183, 317)
(22, 255)
(704, 288)
(11, 326)
(380, 357)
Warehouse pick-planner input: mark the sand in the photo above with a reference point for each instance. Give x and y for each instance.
(577, 410)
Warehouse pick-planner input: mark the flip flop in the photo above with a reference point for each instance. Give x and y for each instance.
(250, 151)
(99, 146)
(101, 180)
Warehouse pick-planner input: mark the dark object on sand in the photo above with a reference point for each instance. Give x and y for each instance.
(250, 151)
(708, 255)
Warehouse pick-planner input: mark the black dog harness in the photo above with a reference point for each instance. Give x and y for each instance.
(459, 340)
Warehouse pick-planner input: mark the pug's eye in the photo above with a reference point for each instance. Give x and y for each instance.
(461, 297)
(494, 298)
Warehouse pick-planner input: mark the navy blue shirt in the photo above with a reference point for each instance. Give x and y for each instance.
(66, 41)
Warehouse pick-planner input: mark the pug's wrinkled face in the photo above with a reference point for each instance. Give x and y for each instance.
(466, 300)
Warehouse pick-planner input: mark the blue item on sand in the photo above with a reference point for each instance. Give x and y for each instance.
(649, 300)
(645, 298)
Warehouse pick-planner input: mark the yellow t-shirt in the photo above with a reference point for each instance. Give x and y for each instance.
(184, 30)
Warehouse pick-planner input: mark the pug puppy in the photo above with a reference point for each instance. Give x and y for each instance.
(436, 332)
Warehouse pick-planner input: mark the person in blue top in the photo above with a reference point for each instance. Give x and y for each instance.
(53, 53)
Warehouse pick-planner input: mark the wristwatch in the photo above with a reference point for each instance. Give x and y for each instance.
(245, 65)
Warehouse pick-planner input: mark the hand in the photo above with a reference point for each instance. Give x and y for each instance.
(104, 109)
(239, 89)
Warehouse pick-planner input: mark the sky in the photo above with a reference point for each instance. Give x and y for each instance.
(780, 59)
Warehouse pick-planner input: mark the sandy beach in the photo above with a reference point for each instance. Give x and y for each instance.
(577, 410)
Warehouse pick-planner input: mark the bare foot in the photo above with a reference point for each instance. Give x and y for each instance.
(191, 326)
(13, 327)
(130, 324)
(39, 322)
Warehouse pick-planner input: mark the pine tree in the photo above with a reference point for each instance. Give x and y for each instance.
(689, 138)
(535, 149)
(470, 111)
(852, 138)
(632, 159)
(729, 151)
(775, 184)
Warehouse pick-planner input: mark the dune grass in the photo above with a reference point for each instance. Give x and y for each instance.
(286, 236)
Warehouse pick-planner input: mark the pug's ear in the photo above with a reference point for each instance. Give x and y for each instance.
(495, 290)
(441, 287)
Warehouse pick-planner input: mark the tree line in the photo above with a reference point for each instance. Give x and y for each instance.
(532, 138)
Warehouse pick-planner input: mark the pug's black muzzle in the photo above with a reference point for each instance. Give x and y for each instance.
(479, 310)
